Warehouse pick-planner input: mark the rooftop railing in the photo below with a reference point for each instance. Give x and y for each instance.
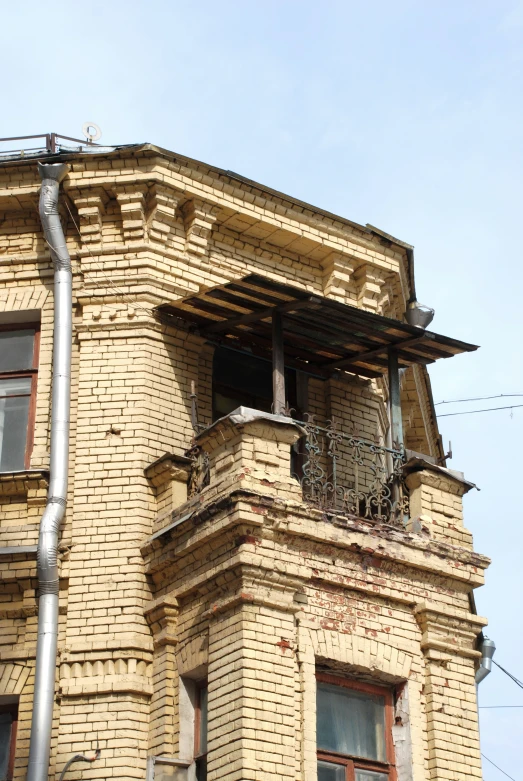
(50, 143)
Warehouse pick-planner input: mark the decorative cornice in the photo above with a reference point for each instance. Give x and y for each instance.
(131, 199)
(168, 467)
(90, 204)
(199, 217)
(162, 617)
(448, 632)
(254, 584)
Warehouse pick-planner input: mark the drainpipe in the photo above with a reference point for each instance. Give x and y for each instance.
(485, 665)
(47, 566)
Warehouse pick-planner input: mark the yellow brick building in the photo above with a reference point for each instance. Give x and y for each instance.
(263, 568)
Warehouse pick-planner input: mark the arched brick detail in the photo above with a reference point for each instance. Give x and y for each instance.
(361, 653)
(13, 677)
(193, 654)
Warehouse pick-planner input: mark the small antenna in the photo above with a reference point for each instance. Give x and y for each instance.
(91, 131)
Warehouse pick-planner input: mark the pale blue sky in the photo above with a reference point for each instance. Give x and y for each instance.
(407, 115)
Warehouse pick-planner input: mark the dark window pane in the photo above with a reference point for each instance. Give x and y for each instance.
(351, 722)
(201, 769)
(240, 379)
(14, 415)
(16, 350)
(202, 742)
(6, 721)
(329, 772)
(244, 373)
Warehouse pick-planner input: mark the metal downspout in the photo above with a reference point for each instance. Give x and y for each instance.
(485, 666)
(47, 565)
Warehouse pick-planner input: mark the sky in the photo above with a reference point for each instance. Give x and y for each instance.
(407, 115)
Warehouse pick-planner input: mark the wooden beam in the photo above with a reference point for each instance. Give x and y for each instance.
(261, 314)
(378, 351)
(278, 365)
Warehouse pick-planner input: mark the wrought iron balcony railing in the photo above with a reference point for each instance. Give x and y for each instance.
(346, 474)
(340, 473)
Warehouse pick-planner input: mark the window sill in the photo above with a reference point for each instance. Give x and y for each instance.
(23, 481)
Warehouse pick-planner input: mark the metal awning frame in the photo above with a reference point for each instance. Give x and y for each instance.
(314, 334)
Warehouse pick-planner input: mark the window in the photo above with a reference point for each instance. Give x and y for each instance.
(242, 379)
(200, 732)
(354, 731)
(18, 374)
(8, 725)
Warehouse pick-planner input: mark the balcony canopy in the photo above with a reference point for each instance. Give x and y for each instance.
(319, 335)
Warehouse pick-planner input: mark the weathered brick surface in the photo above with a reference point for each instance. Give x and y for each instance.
(254, 590)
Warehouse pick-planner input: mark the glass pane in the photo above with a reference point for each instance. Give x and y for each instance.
(240, 379)
(201, 769)
(15, 386)
(16, 350)
(329, 772)
(370, 775)
(14, 415)
(5, 743)
(351, 722)
(246, 374)
(203, 722)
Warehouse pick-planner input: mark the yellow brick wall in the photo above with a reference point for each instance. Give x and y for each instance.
(254, 589)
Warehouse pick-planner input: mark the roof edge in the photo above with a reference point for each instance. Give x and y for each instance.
(109, 151)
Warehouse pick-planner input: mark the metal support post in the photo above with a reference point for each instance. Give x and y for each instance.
(396, 422)
(278, 365)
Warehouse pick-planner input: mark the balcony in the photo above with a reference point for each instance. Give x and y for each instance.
(338, 473)
(333, 468)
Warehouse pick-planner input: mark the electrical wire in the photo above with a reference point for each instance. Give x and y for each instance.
(497, 767)
(475, 411)
(499, 706)
(480, 398)
(519, 683)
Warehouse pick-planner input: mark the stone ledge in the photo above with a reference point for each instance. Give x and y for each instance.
(298, 519)
(448, 631)
(131, 684)
(20, 482)
(168, 467)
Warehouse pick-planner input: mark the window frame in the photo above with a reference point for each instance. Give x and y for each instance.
(198, 754)
(353, 763)
(228, 388)
(33, 374)
(13, 710)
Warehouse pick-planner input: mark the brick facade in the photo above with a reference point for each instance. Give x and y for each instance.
(243, 583)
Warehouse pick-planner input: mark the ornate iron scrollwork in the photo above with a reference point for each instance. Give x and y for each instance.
(348, 475)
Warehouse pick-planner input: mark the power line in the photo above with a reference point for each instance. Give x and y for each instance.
(500, 706)
(480, 398)
(519, 683)
(497, 767)
(475, 411)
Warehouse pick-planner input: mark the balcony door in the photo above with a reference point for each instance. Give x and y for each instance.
(241, 379)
